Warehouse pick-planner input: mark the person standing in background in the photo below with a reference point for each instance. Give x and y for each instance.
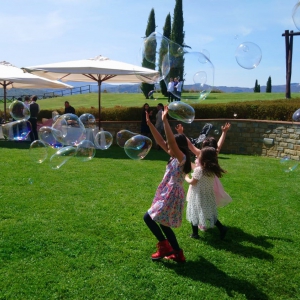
(170, 90)
(68, 108)
(34, 109)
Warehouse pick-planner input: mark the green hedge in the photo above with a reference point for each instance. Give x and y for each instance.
(279, 110)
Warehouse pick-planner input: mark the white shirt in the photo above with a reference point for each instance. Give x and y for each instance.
(170, 86)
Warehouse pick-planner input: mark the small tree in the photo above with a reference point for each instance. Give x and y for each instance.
(269, 85)
(256, 87)
(145, 87)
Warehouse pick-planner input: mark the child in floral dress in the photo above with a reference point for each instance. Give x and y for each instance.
(168, 204)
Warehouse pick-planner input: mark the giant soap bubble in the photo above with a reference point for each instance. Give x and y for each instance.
(19, 111)
(248, 55)
(85, 150)
(69, 130)
(88, 120)
(199, 72)
(152, 55)
(296, 15)
(181, 111)
(46, 135)
(138, 146)
(103, 140)
(288, 165)
(296, 115)
(61, 156)
(17, 130)
(123, 136)
(38, 151)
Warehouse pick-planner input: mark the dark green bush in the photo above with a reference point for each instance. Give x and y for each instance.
(279, 110)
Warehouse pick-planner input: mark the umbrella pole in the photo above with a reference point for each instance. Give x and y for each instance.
(99, 102)
(4, 96)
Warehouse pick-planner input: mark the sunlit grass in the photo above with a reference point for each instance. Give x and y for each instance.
(78, 232)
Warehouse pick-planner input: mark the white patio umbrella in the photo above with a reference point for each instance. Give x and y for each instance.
(13, 77)
(97, 69)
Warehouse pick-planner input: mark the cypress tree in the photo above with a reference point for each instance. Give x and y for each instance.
(167, 34)
(145, 87)
(269, 85)
(255, 87)
(177, 36)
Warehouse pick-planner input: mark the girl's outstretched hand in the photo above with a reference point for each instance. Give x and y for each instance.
(226, 127)
(147, 117)
(165, 113)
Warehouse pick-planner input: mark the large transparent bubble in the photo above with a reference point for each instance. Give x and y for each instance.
(46, 135)
(198, 73)
(123, 136)
(296, 115)
(17, 130)
(61, 156)
(85, 150)
(296, 15)
(19, 111)
(88, 120)
(152, 54)
(288, 165)
(69, 130)
(248, 55)
(103, 140)
(138, 146)
(38, 151)
(181, 111)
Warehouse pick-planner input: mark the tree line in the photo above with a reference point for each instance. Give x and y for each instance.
(174, 32)
(256, 88)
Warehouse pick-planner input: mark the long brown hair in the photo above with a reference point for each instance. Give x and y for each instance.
(209, 162)
(183, 146)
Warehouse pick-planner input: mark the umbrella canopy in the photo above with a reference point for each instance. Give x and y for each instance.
(13, 77)
(97, 69)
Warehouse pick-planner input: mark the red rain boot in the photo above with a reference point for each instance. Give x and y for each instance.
(177, 256)
(163, 249)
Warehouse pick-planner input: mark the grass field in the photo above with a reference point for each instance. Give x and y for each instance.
(78, 232)
(138, 100)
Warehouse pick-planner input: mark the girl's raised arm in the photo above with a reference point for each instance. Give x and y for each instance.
(170, 137)
(157, 136)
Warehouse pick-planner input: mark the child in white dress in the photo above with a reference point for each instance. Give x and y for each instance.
(201, 208)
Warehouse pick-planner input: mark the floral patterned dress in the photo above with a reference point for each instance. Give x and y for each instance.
(168, 203)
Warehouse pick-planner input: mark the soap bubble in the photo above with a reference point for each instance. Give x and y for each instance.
(17, 130)
(61, 156)
(69, 130)
(123, 136)
(38, 151)
(288, 164)
(216, 132)
(199, 72)
(296, 15)
(46, 135)
(138, 146)
(248, 55)
(88, 120)
(103, 140)
(19, 111)
(181, 111)
(85, 150)
(152, 54)
(296, 115)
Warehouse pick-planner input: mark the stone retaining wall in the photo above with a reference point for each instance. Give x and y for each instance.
(251, 137)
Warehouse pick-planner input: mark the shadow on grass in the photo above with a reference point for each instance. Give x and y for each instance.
(117, 152)
(114, 151)
(206, 272)
(236, 240)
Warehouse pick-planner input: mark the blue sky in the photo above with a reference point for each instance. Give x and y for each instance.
(44, 31)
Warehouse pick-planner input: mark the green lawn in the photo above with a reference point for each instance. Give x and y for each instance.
(78, 232)
(129, 100)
